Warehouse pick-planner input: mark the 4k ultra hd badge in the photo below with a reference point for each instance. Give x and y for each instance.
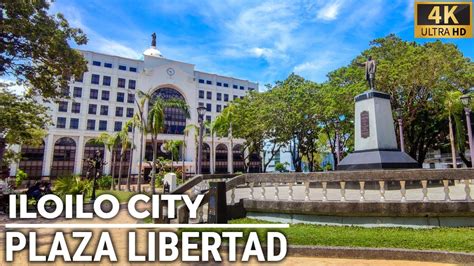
(449, 19)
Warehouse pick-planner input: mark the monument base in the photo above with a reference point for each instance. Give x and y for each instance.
(377, 159)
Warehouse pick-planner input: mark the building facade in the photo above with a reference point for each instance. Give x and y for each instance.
(104, 99)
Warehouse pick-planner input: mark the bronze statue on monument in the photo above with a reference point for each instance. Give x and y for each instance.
(370, 69)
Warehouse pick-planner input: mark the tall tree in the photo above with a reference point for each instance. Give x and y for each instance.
(156, 124)
(453, 108)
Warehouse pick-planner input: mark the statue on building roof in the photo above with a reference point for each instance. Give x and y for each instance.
(153, 39)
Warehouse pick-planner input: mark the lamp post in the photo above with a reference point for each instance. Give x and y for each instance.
(399, 112)
(201, 111)
(466, 100)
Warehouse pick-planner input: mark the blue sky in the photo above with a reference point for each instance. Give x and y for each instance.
(261, 41)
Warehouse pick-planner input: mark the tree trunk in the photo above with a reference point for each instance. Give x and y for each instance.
(139, 184)
(183, 153)
(153, 166)
(213, 159)
(120, 170)
(112, 186)
(451, 140)
(130, 164)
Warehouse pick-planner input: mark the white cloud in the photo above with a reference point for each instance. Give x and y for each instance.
(330, 11)
(261, 52)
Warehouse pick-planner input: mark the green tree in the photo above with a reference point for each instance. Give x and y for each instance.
(111, 141)
(35, 48)
(172, 146)
(124, 143)
(453, 108)
(156, 124)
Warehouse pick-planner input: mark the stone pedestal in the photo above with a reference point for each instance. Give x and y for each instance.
(375, 140)
(170, 178)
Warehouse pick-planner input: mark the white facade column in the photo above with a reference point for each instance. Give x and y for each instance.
(108, 160)
(191, 147)
(136, 152)
(212, 161)
(79, 155)
(14, 165)
(230, 161)
(48, 155)
(247, 159)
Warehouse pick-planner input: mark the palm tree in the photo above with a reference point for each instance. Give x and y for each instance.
(132, 123)
(187, 130)
(124, 143)
(172, 146)
(156, 124)
(453, 106)
(110, 142)
(223, 128)
(141, 124)
(210, 125)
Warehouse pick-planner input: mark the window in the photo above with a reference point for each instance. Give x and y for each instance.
(92, 109)
(235, 97)
(218, 108)
(201, 81)
(108, 65)
(208, 107)
(74, 123)
(80, 78)
(95, 79)
(251, 89)
(117, 126)
(105, 95)
(226, 97)
(201, 104)
(201, 94)
(62, 107)
(209, 95)
(94, 94)
(61, 122)
(219, 84)
(121, 83)
(242, 88)
(226, 85)
(120, 97)
(129, 112)
(219, 96)
(90, 124)
(241, 97)
(76, 108)
(130, 98)
(65, 91)
(96, 63)
(102, 125)
(133, 69)
(106, 81)
(208, 82)
(234, 86)
(208, 118)
(131, 84)
(122, 67)
(77, 92)
(104, 110)
(119, 111)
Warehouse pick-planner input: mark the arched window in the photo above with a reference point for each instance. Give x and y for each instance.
(221, 159)
(238, 158)
(206, 159)
(89, 151)
(32, 160)
(64, 157)
(125, 163)
(175, 118)
(255, 165)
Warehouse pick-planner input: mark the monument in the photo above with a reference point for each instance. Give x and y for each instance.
(375, 141)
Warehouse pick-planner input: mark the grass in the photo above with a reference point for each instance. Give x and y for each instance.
(122, 196)
(445, 239)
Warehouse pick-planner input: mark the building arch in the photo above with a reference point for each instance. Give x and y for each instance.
(64, 157)
(31, 161)
(255, 162)
(90, 148)
(175, 118)
(221, 159)
(206, 159)
(238, 157)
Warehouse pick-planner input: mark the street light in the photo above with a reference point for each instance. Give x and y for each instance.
(201, 111)
(399, 112)
(466, 100)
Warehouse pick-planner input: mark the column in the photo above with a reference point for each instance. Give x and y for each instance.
(136, 153)
(48, 155)
(230, 167)
(191, 147)
(79, 155)
(14, 165)
(247, 160)
(108, 160)
(212, 161)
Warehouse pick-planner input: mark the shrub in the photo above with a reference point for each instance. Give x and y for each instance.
(72, 185)
(104, 182)
(20, 177)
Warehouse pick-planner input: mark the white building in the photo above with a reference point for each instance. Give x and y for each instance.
(104, 99)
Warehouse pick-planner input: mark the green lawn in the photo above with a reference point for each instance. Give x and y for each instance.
(122, 196)
(446, 239)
